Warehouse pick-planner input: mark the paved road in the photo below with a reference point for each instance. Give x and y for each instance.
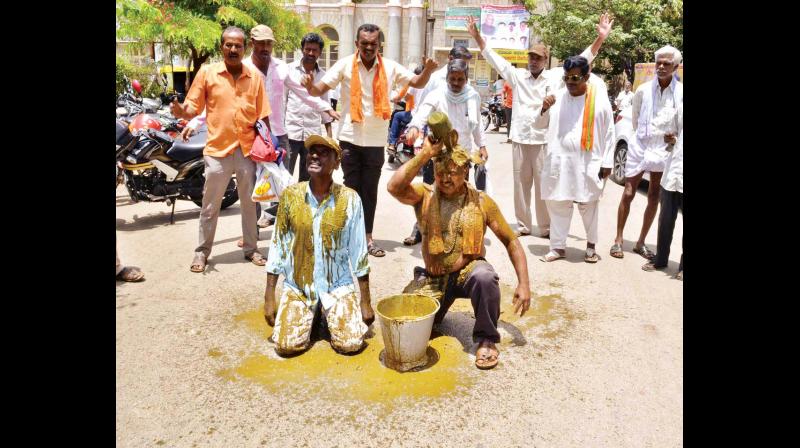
(598, 360)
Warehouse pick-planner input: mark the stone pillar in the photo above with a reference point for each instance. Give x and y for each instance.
(393, 37)
(347, 33)
(415, 33)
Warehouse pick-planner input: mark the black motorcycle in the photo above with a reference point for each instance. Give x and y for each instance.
(157, 168)
(496, 114)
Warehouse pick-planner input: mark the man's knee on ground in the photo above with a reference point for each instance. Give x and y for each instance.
(286, 347)
(347, 346)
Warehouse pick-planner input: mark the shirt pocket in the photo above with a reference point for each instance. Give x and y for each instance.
(552, 167)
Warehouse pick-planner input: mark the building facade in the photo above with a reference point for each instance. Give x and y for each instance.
(410, 30)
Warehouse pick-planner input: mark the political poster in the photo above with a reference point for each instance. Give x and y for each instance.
(505, 26)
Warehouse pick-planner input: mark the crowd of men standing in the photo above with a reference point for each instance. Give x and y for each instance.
(562, 137)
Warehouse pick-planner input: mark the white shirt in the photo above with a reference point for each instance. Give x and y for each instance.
(568, 172)
(437, 81)
(469, 128)
(672, 179)
(624, 99)
(529, 93)
(276, 80)
(302, 120)
(373, 130)
(334, 93)
(665, 105)
(498, 86)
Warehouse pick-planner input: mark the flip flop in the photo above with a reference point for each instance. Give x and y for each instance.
(198, 264)
(486, 360)
(130, 274)
(257, 259)
(645, 252)
(413, 239)
(650, 266)
(591, 256)
(375, 251)
(616, 251)
(551, 256)
(679, 276)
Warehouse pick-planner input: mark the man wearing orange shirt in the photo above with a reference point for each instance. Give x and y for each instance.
(508, 96)
(234, 98)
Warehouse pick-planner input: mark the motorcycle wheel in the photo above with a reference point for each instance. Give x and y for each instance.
(486, 121)
(230, 197)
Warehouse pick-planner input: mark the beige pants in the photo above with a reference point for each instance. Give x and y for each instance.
(528, 161)
(218, 174)
(292, 332)
(561, 215)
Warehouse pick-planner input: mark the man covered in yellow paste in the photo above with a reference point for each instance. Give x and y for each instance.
(318, 245)
(453, 216)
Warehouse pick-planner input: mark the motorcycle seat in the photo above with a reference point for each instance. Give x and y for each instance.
(185, 151)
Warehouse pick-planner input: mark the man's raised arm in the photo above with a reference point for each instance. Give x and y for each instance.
(400, 184)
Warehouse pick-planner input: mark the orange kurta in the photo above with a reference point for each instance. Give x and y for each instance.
(233, 106)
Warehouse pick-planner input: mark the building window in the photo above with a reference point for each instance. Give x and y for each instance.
(464, 42)
(287, 56)
(330, 54)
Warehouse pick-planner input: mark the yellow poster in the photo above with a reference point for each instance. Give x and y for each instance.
(482, 71)
(513, 56)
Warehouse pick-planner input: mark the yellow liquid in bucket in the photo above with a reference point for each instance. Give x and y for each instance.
(406, 322)
(407, 307)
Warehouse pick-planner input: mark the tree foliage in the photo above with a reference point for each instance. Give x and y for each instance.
(640, 28)
(192, 27)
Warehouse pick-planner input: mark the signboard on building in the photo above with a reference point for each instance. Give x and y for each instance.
(455, 17)
(482, 71)
(513, 56)
(505, 26)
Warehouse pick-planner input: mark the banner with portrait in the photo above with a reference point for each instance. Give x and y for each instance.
(505, 26)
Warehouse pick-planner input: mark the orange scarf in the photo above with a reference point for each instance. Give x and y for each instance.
(587, 129)
(409, 98)
(380, 89)
(409, 102)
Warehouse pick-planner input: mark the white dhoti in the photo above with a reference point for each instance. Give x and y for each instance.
(561, 217)
(646, 154)
(294, 319)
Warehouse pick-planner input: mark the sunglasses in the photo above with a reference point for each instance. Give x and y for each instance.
(573, 78)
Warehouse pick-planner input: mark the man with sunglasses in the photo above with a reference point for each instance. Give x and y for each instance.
(529, 88)
(580, 154)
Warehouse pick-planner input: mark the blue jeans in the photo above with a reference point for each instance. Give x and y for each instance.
(399, 121)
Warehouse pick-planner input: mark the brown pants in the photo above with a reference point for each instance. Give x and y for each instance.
(478, 281)
(218, 174)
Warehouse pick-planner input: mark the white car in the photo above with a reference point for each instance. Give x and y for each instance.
(623, 129)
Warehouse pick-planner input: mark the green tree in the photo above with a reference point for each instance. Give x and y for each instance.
(640, 28)
(192, 27)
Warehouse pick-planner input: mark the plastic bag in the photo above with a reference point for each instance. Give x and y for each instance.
(271, 180)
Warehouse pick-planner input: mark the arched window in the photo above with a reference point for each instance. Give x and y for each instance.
(331, 52)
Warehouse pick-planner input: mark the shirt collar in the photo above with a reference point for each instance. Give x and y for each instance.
(312, 200)
(245, 69)
(299, 66)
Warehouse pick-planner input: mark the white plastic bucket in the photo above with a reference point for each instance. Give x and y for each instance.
(406, 324)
